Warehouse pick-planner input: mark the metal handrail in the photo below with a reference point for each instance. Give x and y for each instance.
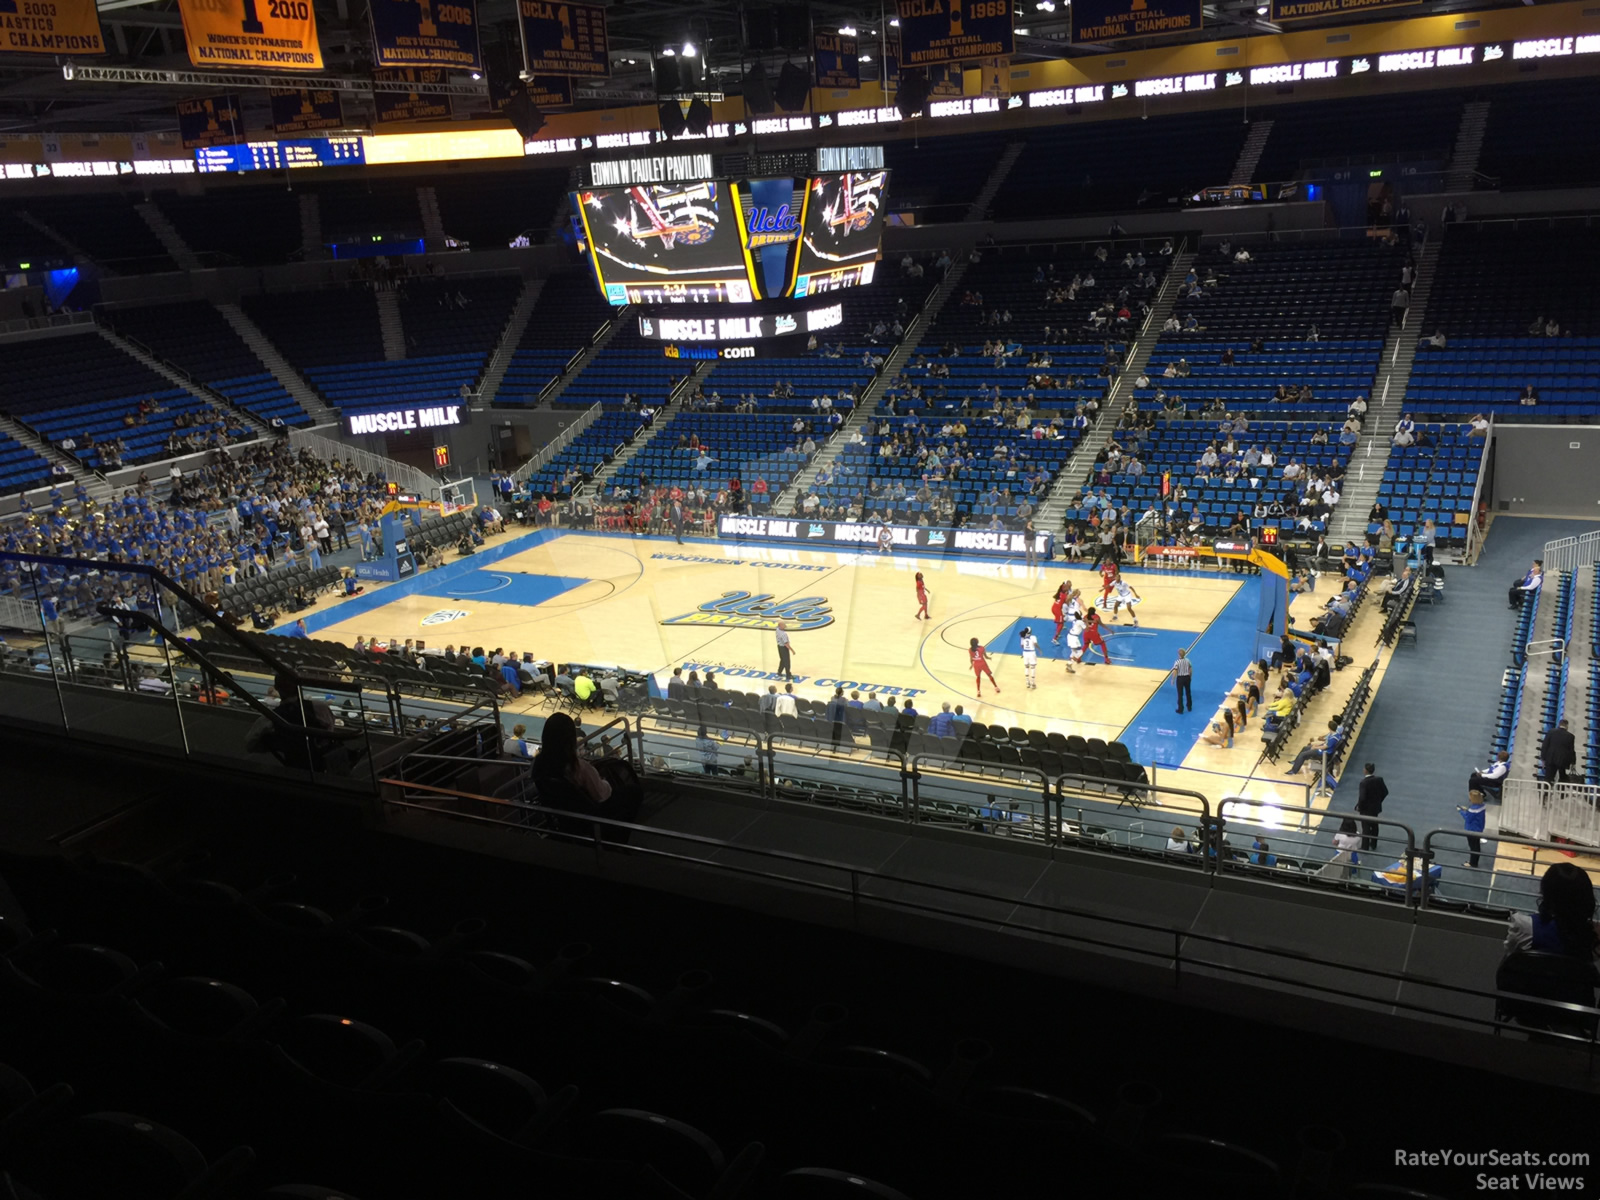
(891, 896)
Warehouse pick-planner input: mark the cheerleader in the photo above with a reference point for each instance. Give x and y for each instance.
(980, 667)
(1030, 655)
(1124, 597)
(922, 599)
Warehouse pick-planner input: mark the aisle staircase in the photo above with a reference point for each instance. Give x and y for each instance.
(602, 338)
(1463, 167)
(432, 219)
(506, 348)
(1244, 168)
(179, 377)
(787, 501)
(1053, 508)
(167, 234)
(979, 209)
(311, 226)
(1367, 465)
(674, 405)
(21, 434)
(274, 361)
(389, 324)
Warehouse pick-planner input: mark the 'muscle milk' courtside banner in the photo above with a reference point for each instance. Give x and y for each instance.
(946, 31)
(1108, 20)
(425, 33)
(50, 27)
(564, 39)
(269, 35)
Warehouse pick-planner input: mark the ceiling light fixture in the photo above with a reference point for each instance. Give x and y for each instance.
(669, 52)
(688, 49)
(847, 30)
(1047, 5)
(1023, 32)
(866, 58)
(895, 23)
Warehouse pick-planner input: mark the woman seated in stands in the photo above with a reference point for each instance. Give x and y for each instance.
(1564, 923)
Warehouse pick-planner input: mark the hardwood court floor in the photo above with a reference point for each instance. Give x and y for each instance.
(641, 603)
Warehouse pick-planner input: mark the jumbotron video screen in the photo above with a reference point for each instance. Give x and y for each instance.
(843, 231)
(664, 243)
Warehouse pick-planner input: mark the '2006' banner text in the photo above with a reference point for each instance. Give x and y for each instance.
(50, 27)
(272, 35)
(425, 33)
(948, 31)
(1109, 20)
(564, 39)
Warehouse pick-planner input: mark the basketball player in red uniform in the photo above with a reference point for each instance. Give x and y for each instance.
(922, 599)
(1108, 579)
(1091, 636)
(1056, 610)
(980, 667)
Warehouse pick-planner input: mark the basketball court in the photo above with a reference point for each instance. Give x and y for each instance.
(651, 605)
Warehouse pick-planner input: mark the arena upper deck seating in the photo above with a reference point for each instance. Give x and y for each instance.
(1358, 129)
(629, 364)
(106, 228)
(564, 320)
(320, 328)
(435, 321)
(65, 386)
(193, 335)
(1336, 371)
(1527, 142)
(587, 452)
(750, 446)
(487, 209)
(259, 226)
(1433, 481)
(357, 210)
(1177, 448)
(22, 243)
(1119, 165)
(21, 468)
(938, 178)
(1485, 296)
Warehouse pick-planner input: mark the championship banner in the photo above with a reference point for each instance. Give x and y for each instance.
(51, 27)
(944, 82)
(564, 39)
(949, 31)
(1110, 20)
(837, 59)
(424, 33)
(1304, 10)
(269, 35)
(410, 106)
(214, 121)
(296, 110)
(550, 91)
(890, 74)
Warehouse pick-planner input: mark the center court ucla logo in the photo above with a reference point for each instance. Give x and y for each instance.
(741, 610)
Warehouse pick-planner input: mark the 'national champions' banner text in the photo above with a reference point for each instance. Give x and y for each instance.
(564, 39)
(51, 27)
(214, 121)
(1306, 10)
(302, 110)
(838, 61)
(268, 35)
(425, 33)
(410, 106)
(949, 31)
(1109, 20)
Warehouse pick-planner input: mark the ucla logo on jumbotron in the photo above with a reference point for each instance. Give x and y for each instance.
(741, 610)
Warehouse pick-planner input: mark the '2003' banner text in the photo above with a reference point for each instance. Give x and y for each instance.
(947, 31)
(50, 27)
(272, 35)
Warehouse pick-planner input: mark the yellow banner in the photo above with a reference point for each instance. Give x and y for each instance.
(51, 27)
(270, 35)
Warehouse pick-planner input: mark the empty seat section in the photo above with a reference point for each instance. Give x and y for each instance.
(258, 226)
(1366, 128)
(488, 209)
(565, 318)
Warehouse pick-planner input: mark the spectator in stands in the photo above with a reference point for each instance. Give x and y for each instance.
(1328, 743)
(1530, 583)
(1473, 815)
(1479, 426)
(1529, 396)
(1347, 848)
(1400, 591)
(1558, 753)
(1398, 303)
(1490, 778)
(1436, 342)
(1564, 923)
(559, 766)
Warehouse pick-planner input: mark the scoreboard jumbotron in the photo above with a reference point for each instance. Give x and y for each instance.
(675, 230)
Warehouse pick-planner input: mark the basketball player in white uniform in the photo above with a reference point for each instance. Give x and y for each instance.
(1075, 642)
(1122, 597)
(1030, 654)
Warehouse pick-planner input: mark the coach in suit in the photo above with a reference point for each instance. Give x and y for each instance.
(1558, 754)
(1369, 803)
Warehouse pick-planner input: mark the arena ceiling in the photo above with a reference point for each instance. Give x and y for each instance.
(36, 97)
